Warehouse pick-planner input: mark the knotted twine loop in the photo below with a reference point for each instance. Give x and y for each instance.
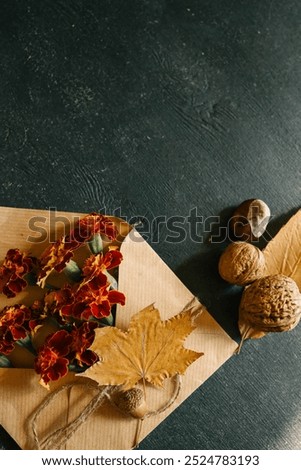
(60, 436)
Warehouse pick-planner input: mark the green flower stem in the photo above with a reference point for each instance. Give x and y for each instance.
(107, 321)
(96, 244)
(72, 271)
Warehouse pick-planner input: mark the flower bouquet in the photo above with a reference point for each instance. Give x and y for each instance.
(59, 327)
(97, 308)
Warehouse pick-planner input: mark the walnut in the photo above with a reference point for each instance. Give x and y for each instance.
(241, 263)
(249, 221)
(272, 303)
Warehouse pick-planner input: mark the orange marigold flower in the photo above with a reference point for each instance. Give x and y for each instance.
(15, 266)
(62, 348)
(89, 226)
(51, 362)
(83, 337)
(92, 299)
(101, 262)
(57, 255)
(14, 325)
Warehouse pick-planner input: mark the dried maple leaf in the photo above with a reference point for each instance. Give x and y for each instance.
(151, 350)
(283, 253)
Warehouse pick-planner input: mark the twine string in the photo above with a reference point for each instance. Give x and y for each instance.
(60, 436)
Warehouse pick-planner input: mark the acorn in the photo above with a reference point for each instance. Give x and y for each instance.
(131, 402)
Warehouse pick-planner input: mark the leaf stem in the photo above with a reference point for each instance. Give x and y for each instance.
(244, 336)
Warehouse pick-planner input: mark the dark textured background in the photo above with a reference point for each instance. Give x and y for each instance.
(156, 108)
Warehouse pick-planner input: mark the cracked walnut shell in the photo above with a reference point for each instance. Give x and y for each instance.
(241, 263)
(270, 304)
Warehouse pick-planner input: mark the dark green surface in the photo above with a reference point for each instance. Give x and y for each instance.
(158, 107)
(6, 441)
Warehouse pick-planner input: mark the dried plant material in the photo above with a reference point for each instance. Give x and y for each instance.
(131, 402)
(144, 278)
(58, 254)
(270, 304)
(241, 263)
(74, 309)
(151, 350)
(283, 253)
(282, 257)
(13, 271)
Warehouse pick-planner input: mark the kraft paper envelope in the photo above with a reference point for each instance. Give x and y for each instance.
(144, 279)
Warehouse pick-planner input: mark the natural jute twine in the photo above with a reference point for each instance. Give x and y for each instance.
(58, 438)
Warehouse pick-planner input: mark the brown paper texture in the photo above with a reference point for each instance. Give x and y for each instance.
(144, 279)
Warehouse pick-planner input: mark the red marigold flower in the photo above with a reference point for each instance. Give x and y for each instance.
(99, 299)
(101, 262)
(63, 296)
(38, 315)
(57, 255)
(51, 362)
(90, 225)
(83, 337)
(15, 266)
(56, 300)
(61, 348)
(92, 299)
(93, 284)
(13, 326)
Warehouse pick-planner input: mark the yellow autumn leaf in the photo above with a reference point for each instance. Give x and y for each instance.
(282, 256)
(283, 252)
(151, 350)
